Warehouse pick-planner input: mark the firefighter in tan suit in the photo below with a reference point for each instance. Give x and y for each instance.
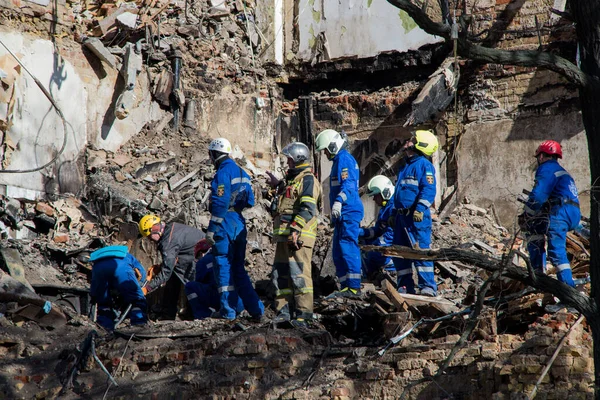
(295, 230)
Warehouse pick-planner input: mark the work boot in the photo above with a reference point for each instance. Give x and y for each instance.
(350, 293)
(299, 323)
(260, 319)
(281, 318)
(429, 292)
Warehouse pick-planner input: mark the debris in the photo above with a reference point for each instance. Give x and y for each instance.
(97, 47)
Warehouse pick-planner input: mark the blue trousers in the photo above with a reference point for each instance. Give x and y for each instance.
(112, 276)
(553, 228)
(230, 274)
(414, 234)
(203, 297)
(373, 261)
(346, 253)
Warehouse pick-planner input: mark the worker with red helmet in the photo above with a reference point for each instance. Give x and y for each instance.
(202, 294)
(551, 210)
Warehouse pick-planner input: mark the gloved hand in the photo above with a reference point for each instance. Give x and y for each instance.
(153, 270)
(210, 237)
(138, 274)
(273, 181)
(145, 290)
(391, 221)
(361, 233)
(522, 220)
(418, 216)
(336, 210)
(293, 241)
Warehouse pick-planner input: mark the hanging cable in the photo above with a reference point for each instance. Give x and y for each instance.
(58, 111)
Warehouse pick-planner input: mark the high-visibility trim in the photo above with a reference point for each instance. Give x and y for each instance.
(217, 220)
(426, 203)
(343, 278)
(402, 272)
(343, 196)
(281, 232)
(283, 292)
(305, 290)
(309, 234)
(299, 220)
(308, 199)
(192, 296)
(209, 265)
(135, 309)
(412, 182)
(240, 180)
(558, 174)
(226, 289)
(422, 268)
(334, 183)
(354, 276)
(563, 267)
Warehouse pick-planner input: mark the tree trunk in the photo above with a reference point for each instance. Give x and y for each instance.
(586, 14)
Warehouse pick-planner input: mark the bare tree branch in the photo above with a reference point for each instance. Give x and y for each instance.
(524, 58)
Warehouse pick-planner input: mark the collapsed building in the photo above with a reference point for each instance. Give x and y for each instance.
(134, 93)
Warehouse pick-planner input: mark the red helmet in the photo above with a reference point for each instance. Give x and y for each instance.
(201, 247)
(549, 147)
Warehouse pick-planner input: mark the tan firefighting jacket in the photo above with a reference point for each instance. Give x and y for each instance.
(298, 208)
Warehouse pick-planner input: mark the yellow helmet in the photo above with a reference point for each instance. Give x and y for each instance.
(426, 142)
(146, 224)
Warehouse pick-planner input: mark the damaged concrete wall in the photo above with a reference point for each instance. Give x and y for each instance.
(330, 29)
(84, 92)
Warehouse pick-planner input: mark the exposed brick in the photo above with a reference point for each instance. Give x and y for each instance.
(44, 208)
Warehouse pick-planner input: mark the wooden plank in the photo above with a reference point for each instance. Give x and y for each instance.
(394, 296)
(442, 305)
(382, 298)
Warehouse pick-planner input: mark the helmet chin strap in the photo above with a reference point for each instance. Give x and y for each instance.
(215, 161)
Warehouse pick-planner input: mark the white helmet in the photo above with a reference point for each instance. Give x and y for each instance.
(330, 140)
(380, 184)
(220, 144)
(218, 149)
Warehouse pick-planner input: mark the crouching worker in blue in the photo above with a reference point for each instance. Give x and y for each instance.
(381, 189)
(231, 193)
(550, 212)
(346, 210)
(202, 294)
(411, 218)
(116, 277)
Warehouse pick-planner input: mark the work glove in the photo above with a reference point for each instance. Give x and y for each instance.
(293, 241)
(138, 274)
(210, 238)
(522, 220)
(273, 181)
(391, 221)
(418, 216)
(145, 290)
(336, 210)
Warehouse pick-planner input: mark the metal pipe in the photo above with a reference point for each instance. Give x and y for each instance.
(176, 65)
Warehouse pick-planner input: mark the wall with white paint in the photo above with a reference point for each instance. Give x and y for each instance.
(362, 28)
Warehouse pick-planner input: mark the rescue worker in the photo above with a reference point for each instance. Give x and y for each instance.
(202, 294)
(346, 210)
(295, 231)
(381, 189)
(116, 277)
(176, 244)
(411, 217)
(231, 193)
(551, 210)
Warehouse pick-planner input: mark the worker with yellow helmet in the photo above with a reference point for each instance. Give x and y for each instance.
(411, 219)
(176, 244)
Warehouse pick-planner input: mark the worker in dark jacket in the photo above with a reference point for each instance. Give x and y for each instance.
(116, 277)
(203, 294)
(176, 244)
(551, 211)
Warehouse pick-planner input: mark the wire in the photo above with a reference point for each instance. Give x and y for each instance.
(58, 111)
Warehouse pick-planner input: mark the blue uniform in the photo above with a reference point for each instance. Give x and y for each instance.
(553, 210)
(231, 193)
(118, 274)
(415, 191)
(343, 187)
(203, 294)
(379, 235)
